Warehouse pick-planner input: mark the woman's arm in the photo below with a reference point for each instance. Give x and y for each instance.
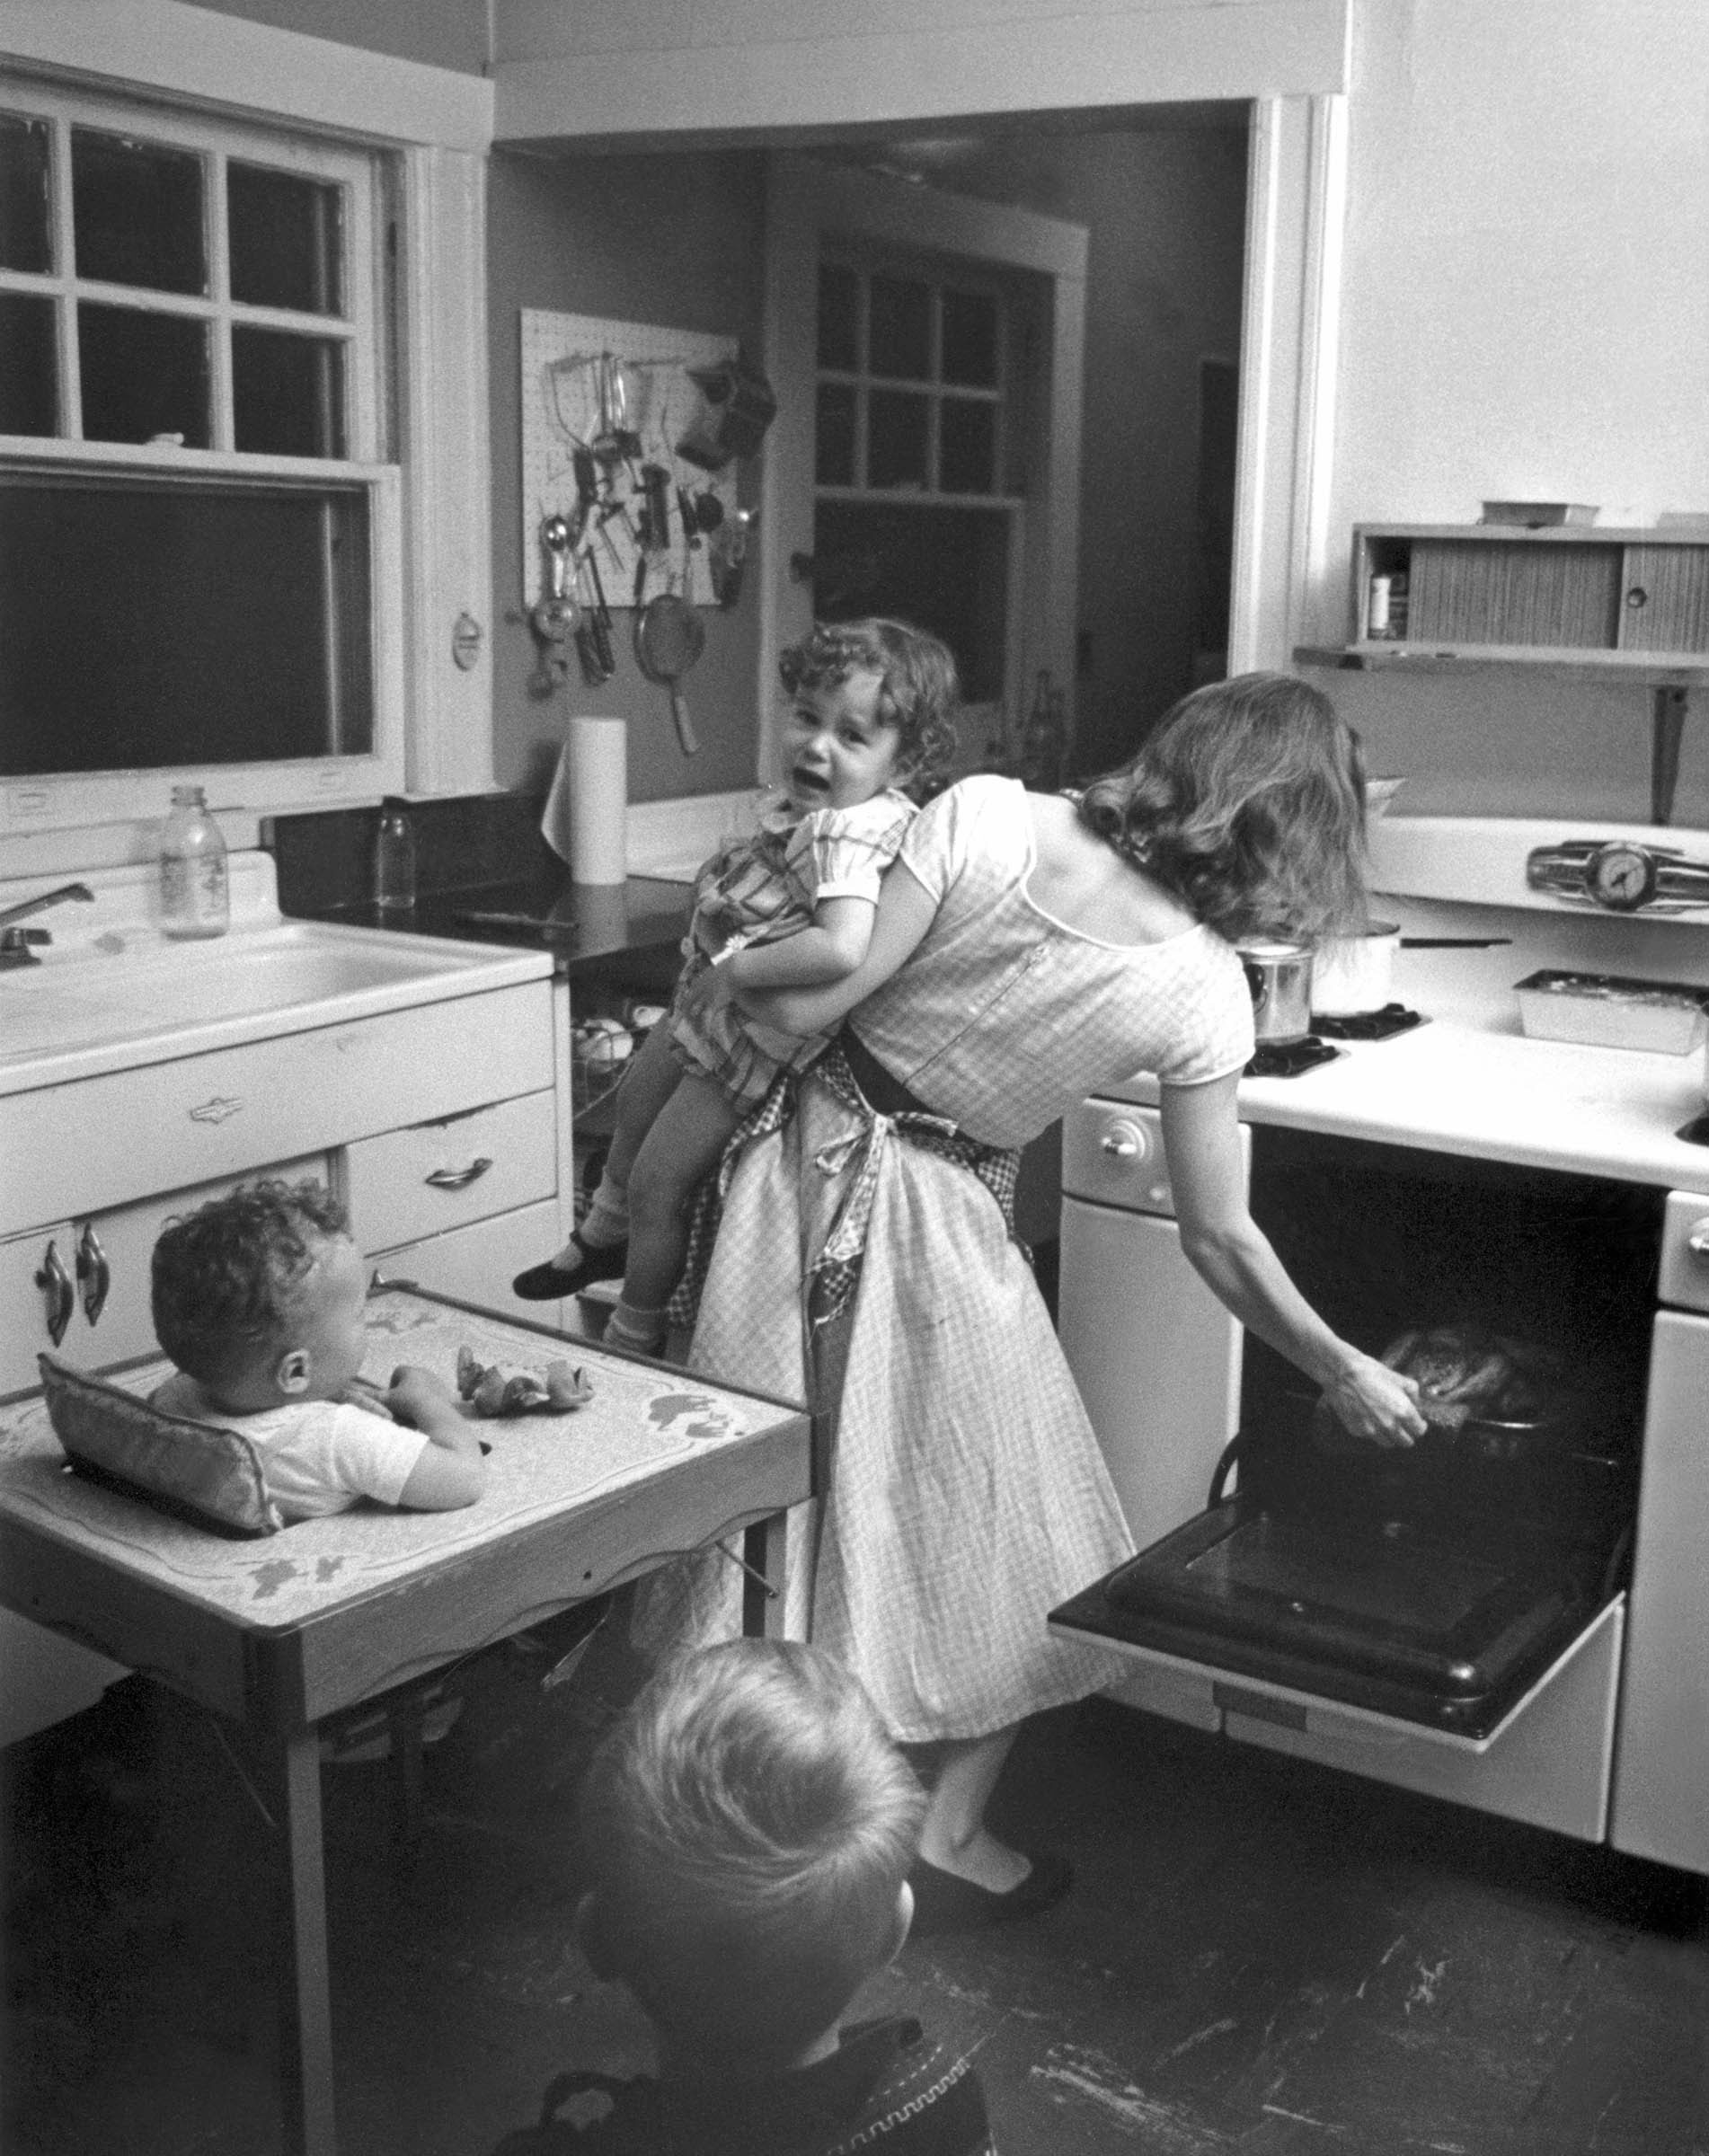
(1226, 1247)
(905, 910)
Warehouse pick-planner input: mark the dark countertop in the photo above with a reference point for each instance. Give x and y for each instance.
(630, 934)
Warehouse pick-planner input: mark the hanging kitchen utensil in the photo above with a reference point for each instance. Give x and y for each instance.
(598, 654)
(556, 616)
(670, 637)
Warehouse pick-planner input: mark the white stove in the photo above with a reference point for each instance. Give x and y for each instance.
(1469, 1080)
(1610, 1741)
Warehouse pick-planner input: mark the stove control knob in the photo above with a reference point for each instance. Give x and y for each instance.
(1697, 1239)
(1125, 1142)
(1621, 875)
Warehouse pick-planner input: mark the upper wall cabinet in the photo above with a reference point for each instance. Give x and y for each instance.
(1611, 603)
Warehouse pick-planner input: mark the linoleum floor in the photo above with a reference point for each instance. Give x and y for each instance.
(1258, 1957)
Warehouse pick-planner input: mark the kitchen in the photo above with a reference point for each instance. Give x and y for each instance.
(1501, 326)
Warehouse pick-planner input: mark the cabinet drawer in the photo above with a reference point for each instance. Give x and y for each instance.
(408, 1184)
(101, 1142)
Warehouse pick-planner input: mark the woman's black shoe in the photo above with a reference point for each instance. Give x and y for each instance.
(546, 1282)
(945, 1902)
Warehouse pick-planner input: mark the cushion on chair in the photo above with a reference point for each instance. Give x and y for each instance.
(194, 1469)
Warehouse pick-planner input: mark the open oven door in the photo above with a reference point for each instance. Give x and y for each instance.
(1334, 1610)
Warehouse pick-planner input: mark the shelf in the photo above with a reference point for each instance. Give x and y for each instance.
(1642, 669)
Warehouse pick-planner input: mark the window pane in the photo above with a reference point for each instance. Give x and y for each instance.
(181, 661)
(946, 569)
(901, 327)
(839, 317)
(143, 375)
(287, 393)
(286, 246)
(137, 207)
(898, 422)
(835, 466)
(970, 339)
(967, 446)
(29, 395)
(25, 242)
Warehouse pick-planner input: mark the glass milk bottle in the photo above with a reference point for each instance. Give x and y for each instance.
(195, 890)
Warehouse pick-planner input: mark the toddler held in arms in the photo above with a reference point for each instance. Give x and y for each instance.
(258, 1299)
(869, 733)
(748, 1828)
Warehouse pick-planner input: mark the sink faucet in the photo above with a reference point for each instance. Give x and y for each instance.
(15, 942)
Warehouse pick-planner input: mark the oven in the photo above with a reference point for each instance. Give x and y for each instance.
(1512, 1615)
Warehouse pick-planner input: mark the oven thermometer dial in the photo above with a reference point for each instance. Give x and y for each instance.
(1621, 877)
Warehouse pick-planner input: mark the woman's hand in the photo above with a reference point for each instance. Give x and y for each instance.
(1225, 1245)
(1372, 1401)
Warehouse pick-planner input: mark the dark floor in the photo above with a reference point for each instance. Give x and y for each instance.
(1258, 1956)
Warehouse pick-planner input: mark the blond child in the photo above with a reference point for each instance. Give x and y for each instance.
(258, 1299)
(747, 1830)
(869, 727)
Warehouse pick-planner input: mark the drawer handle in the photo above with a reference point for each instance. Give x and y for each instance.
(1697, 1240)
(61, 1297)
(95, 1275)
(459, 1179)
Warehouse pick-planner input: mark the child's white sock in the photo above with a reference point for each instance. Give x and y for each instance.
(631, 1325)
(607, 1220)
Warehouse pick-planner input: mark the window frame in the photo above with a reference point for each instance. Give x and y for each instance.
(425, 133)
(76, 798)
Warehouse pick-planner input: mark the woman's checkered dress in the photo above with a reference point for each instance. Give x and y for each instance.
(966, 1495)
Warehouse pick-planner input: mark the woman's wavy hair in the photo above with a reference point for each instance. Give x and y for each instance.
(921, 695)
(1247, 802)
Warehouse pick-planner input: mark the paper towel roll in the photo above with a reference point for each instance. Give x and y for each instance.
(586, 810)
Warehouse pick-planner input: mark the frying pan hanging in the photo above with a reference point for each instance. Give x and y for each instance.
(668, 639)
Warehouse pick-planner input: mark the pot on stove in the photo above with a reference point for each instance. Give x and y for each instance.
(1280, 976)
(1354, 974)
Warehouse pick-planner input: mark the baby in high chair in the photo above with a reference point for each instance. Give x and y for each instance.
(258, 1299)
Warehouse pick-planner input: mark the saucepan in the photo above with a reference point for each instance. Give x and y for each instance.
(1280, 976)
(1356, 973)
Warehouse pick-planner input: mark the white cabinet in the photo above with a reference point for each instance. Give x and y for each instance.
(444, 1126)
(82, 1286)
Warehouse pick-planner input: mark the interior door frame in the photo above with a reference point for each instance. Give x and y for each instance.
(1295, 204)
(807, 201)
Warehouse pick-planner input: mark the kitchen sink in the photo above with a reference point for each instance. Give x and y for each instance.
(120, 999)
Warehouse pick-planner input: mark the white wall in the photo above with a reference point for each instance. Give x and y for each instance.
(1525, 314)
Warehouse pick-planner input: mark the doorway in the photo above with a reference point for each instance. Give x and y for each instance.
(1125, 247)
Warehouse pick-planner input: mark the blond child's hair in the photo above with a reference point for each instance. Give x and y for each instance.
(747, 1828)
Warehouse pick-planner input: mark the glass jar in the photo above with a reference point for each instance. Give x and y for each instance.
(195, 884)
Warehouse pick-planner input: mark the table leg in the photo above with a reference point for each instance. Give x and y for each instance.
(306, 2019)
(764, 1545)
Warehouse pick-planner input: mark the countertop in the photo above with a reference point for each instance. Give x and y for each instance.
(1469, 1081)
(632, 932)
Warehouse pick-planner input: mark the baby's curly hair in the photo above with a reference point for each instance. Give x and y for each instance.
(226, 1277)
(920, 696)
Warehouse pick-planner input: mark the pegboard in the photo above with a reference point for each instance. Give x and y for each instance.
(568, 364)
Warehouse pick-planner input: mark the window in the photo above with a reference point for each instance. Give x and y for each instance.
(910, 383)
(198, 505)
(915, 513)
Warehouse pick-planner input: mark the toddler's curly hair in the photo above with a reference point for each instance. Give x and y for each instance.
(921, 694)
(225, 1277)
